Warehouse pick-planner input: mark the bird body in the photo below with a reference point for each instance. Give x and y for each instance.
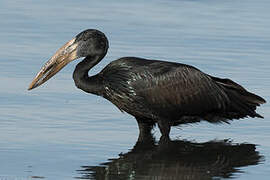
(150, 89)
(153, 91)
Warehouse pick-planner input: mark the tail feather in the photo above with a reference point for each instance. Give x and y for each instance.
(242, 103)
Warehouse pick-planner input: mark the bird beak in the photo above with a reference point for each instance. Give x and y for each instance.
(62, 57)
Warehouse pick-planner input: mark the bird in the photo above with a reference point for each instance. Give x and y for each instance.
(155, 92)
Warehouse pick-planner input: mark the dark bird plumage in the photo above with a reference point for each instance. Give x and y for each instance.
(153, 91)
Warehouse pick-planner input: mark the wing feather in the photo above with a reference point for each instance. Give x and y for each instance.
(181, 90)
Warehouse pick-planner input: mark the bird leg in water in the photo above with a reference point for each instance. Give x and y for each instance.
(145, 129)
(165, 128)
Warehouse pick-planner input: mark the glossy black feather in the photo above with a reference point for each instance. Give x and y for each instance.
(154, 89)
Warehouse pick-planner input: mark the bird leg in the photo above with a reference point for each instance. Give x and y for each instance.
(145, 129)
(165, 128)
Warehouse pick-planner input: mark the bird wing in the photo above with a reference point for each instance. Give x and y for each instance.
(155, 89)
(173, 90)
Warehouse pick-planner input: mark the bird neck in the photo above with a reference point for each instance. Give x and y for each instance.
(81, 78)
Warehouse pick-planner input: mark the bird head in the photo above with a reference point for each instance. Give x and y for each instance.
(90, 42)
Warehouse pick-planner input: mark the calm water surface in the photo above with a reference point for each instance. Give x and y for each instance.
(59, 132)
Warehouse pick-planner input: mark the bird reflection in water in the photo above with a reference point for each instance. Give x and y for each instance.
(177, 159)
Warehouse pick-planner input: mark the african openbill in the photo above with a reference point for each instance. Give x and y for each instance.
(153, 91)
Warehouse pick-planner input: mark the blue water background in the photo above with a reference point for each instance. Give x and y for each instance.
(55, 129)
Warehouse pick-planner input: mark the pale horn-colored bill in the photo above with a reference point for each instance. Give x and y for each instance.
(62, 57)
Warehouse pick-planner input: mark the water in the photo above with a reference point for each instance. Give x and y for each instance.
(59, 132)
